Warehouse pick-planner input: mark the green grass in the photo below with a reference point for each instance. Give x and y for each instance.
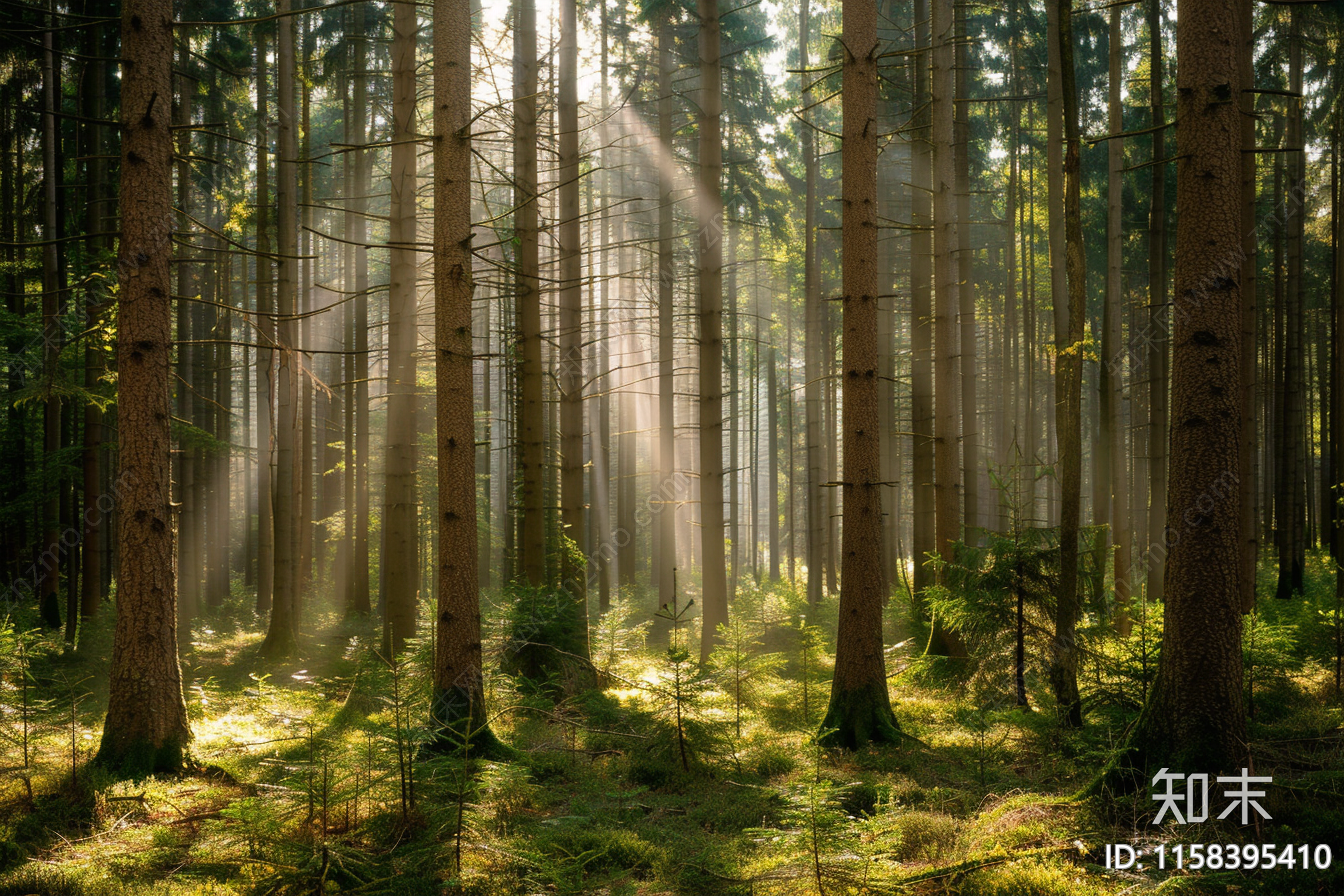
(299, 788)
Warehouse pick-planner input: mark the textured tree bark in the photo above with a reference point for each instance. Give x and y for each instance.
(458, 705)
(265, 354)
(1112, 391)
(531, 413)
(1069, 391)
(282, 633)
(947, 298)
(1291, 486)
(1250, 492)
(667, 512)
(146, 727)
(400, 560)
(571, 321)
(924, 521)
(860, 707)
(714, 601)
(970, 421)
(1195, 717)
(812, 383)
(359, 601)
(1157, 345)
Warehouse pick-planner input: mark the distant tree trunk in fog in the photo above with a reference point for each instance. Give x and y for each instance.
(967, 353)
(1155, 353)
(860, 706)
(714, 603)
(359, 603)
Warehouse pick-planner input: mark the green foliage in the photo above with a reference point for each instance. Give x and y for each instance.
(742, 670)
(617, 638)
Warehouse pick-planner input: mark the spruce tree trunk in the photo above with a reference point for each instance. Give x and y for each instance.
(970, 422)
(1195, 717)
(146, 727)
(359, 601)
(53, 288)
(281, 635)
(571, 321)
(923, 540)
(714, 603)
(458, 706)
(667, 511)
(812, 382)
(400, 560)
(1157, 346)
(531, 413)
(1069, 383)
(265, 354)
(1112, 392)
(947, 297)
(1250, 492)
(860, 707)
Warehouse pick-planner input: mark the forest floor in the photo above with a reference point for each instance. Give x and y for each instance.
(308, 778)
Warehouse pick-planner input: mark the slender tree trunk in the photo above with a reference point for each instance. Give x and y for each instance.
(812, 375)
(970, 420)
(1250, 491)
(146, 727)
(860, 707)
(400, 560)
(458, 705)
(1157, 347)
(1069, 379)
(531, 413)
(52, 290)
(1292, 486)
(1112, 392)
(281, 636)
(265, 354)
(714, 603)
(571, 318)
(359, 602)
(947, 294)
(923, 541)
(667, 272)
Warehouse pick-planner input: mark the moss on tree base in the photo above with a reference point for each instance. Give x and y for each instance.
(141, 758)
(859, 717)
(460, 727)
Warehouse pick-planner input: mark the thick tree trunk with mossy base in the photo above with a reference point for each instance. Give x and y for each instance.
(146, 728)
(1195, 718)
(860, 709)
(458, 710)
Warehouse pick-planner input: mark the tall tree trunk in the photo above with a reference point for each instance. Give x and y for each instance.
(400, 560)
(812, 374)
(970, 421)
(667, 272)
(281, 636)
(1156, 350)
(1292, 485)
(266, 354)
(1250, 491)
(52, 290)
(571, 320)
(1112, 391)
(1069, 379)
(860, 707)
(923, 541)
(458, 707)
(146, 727)
(359, 601)
(714, 603)
(1195, 717)
(946, 297)
(531, 413)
